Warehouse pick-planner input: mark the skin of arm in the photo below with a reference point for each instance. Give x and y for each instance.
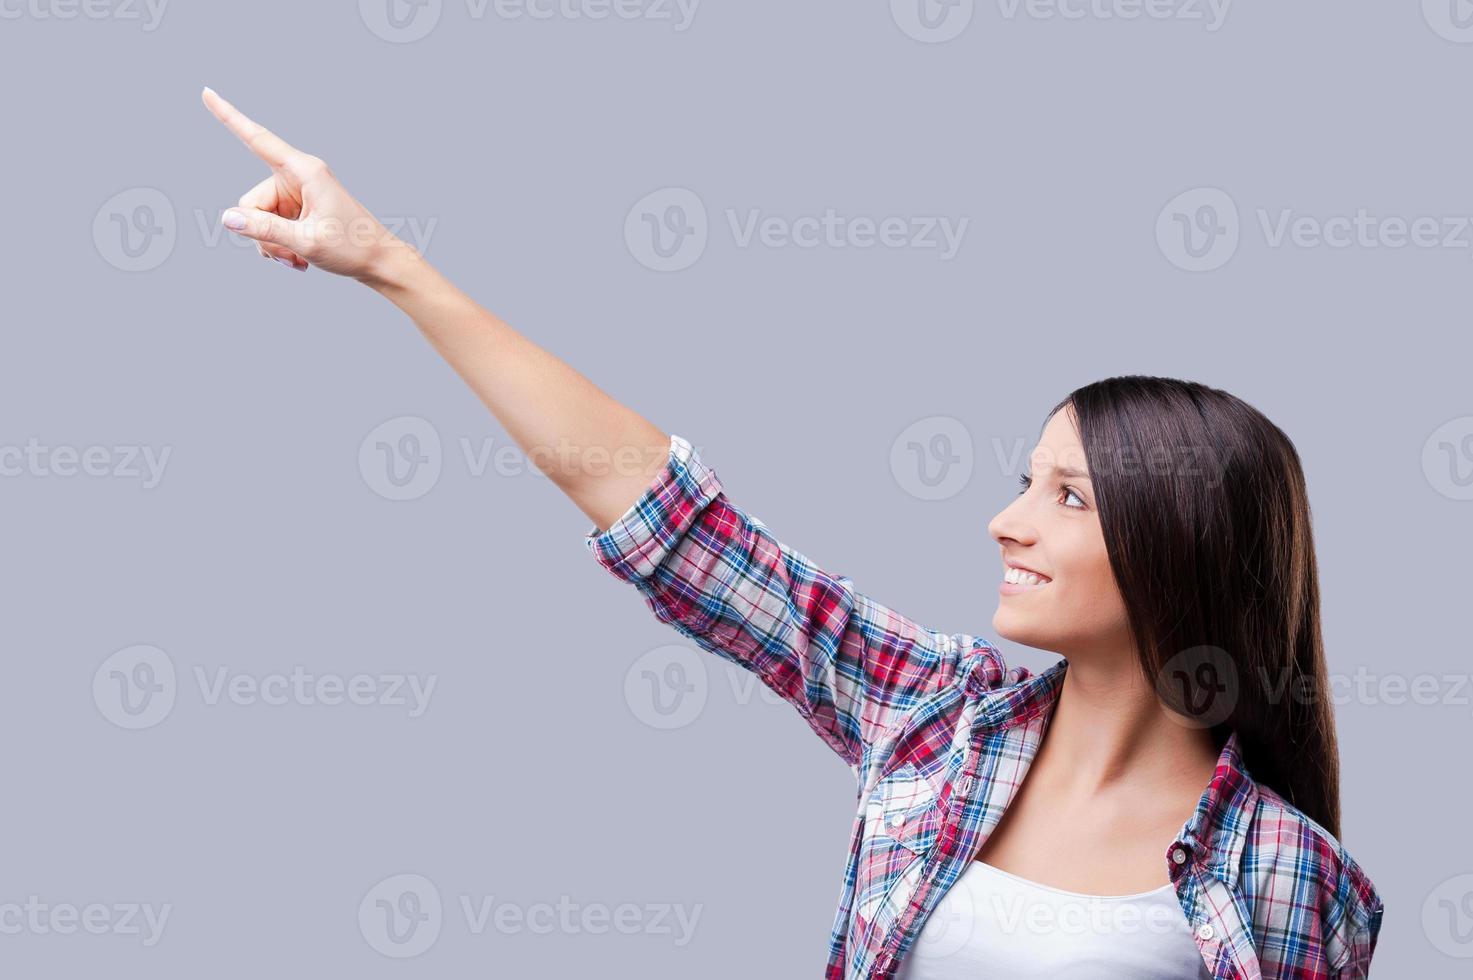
(599, 452)
(612, 453)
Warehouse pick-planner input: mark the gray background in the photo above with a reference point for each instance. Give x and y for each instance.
(531, 775)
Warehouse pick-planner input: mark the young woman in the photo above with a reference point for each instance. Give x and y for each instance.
(1160, 803)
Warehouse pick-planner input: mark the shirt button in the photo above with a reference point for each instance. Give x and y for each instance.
(1204, 931)
(1179, 855)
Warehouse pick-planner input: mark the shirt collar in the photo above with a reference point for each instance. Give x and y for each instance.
(1213, 835)
(1217, 829)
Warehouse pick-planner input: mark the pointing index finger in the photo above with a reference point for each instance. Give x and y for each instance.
(264, 143)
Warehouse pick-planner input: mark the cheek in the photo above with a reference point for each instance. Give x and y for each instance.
(1087, 579)
(1091, 577)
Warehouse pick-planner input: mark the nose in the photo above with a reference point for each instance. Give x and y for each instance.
(1013, 524)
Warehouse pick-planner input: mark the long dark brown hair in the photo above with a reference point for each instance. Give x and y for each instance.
(1205, 516)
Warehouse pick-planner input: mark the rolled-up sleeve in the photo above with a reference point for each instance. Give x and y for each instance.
(634, 545)
(717, 575)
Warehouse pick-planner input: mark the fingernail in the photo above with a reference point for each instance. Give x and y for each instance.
(234, 220)
(286, 262)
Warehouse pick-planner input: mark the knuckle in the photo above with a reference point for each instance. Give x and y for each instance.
(310, 234)
(311, 166)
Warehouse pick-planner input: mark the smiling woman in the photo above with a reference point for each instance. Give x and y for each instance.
(1160, 545)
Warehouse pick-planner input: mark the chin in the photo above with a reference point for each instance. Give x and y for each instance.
(1015, 627)
(1005, 625)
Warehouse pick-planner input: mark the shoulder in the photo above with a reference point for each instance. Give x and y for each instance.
(1295, 865)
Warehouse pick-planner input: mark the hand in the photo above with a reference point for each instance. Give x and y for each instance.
(300, 215)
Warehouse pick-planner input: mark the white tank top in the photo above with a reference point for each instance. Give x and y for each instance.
(992, 925)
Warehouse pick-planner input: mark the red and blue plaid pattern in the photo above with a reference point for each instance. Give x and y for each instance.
(939, 732)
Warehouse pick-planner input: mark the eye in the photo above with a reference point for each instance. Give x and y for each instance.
(1026, 481)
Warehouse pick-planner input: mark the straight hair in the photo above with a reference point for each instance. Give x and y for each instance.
(1207, 524)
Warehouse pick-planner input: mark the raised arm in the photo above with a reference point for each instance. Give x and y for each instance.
(849, 665)
(596, 450)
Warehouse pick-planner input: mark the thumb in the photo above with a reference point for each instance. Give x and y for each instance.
(263, 226)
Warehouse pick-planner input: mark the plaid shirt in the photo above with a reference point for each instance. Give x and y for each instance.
(939, 733)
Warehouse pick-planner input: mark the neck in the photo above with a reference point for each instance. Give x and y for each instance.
(1110, 731)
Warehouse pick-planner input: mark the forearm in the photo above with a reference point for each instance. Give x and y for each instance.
(599, 452)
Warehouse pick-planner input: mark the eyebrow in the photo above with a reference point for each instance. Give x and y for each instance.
(1070, 471)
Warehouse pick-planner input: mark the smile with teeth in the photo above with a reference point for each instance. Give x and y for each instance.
(1016, 576)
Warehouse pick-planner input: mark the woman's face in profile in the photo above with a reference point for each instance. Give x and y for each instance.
(1053, 528)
